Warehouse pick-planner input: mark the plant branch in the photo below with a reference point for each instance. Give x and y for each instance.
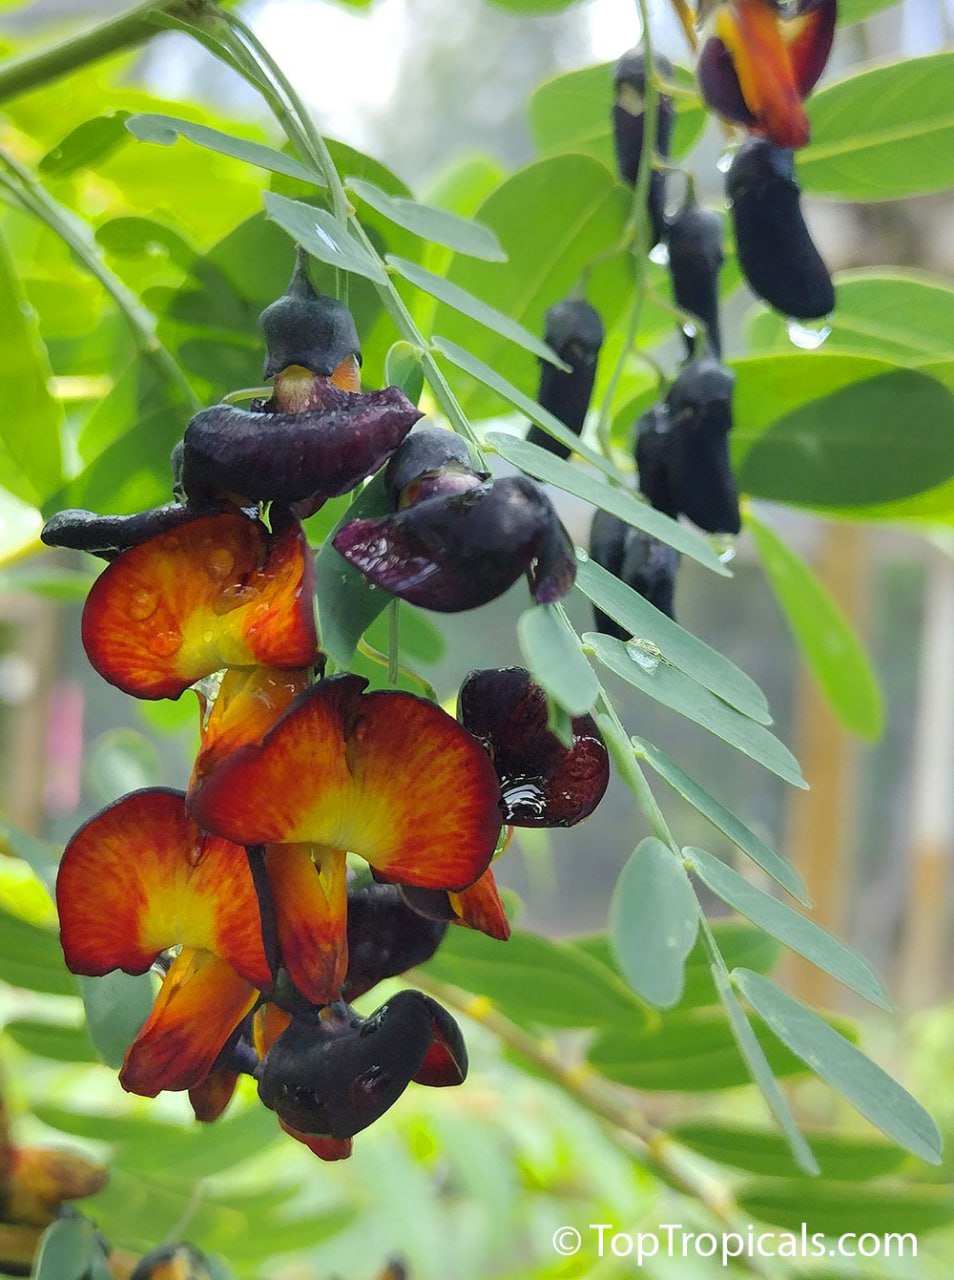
(125, 31)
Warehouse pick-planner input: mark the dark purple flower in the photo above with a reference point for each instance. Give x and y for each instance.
(575, 332)
(543, 783)
(386, 937)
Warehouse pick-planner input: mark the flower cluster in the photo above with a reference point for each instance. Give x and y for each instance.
(238, 890)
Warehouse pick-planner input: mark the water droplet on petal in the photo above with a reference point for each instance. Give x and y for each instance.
(524, 800)
(165, 643)
(807, 336)
(724, 162)
(659, 254)
(142, 604)
(219, 563)
(644, 653)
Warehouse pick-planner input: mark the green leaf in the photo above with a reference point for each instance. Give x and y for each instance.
(40, 855)
(347, 602)
(686, 1052)
(850, 11)
(837, 1209)
(436, 225)
(165, 130)
(117, 1005)
(87, 144)
(122, 760)
(68, 586)
(551, 650)
(795, 930)
(898, 315)
(452, 295)
(66, 1250)
(871, 1090)
(507, 391)
(883, 133)
(763, 1072)
(552, 219)
(680, 647)
(30, 423)
(839, 430)
(833, 652)
(844, 1159)
(51, 1040)
(673, 688)
(403, 368)
(761, 854)
(653, 921)
(620, 502)
(533, 6)
(30, 957)
(572, 112)
(322, 236)
(536, 980)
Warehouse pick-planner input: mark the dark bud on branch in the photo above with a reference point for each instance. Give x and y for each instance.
(575, 332)
(628, 116)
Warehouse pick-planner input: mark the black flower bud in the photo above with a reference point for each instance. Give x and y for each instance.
(628, 116)
(575, 332)
(307, 329)
(637, 558)
(695, 259)
(697, 458)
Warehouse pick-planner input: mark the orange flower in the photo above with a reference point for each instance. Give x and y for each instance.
(139, 879)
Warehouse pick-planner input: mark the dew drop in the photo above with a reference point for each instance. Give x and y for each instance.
(690, 330)
(166, 643)
(234, 596)
(724, 162)
(219, 563)
(808, 337)
(723, 544)
(659, 254)
(142, 604)
(524, 800)
(582, 556)
(644, 653)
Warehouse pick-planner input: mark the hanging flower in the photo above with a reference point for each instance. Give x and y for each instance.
(219, 591)
(387, 776)
(542, 782)
(478, 907)
(760, 64)
(140, 879)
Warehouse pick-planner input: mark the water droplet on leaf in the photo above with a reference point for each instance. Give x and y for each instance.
(807, 336)
(643, 652)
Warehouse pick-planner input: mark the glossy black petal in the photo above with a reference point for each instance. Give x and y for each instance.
(543, 783)
(425, 453)
(630, 85)
(458, 551)
(338, 1074)
(636, 558)
(698, 466)
(106, 536)
(308, 329)
(289, 457)
(776, 252)
(386, 937)
(575, 332)
(695, 259)
(653, 437)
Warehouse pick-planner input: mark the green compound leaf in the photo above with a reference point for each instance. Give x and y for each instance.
(117, 1005)
(678, 646)
(322, 236)
(725, 821)
(673, 688)
(166, 130)
(653, 921)
(553, 655)
(833, 652)
(843, 1159)
(788, 926)
(883, 133)
(434, 225)
(869, 1089)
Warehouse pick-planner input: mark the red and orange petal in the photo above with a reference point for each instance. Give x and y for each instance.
(210, 1098)
(479, 907)
(248, 703)
(200, 1003)
(268, 1023)
(140, 877)
(217, 592)
(387, 776)
(310, 894)
(759, 66)
(323, 1148)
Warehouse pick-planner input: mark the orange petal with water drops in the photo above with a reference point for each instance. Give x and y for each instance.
(388, 776)
(310, 892)
(140, 877)
(200, 1003)
(217, 592)
(248, 703)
